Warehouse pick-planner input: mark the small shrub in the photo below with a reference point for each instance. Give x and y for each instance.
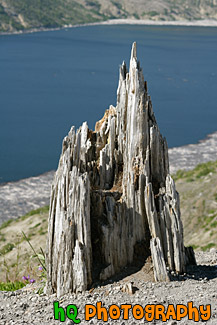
(136, 15)
(153, 13)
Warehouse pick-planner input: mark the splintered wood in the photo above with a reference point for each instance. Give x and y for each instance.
(112, 193)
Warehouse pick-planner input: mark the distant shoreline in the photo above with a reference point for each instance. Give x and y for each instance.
(183, 23)
(198, 23)
(210, 140)
(19, 197)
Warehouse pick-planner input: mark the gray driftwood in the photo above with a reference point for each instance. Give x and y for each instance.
(112, 194)
(159, 265)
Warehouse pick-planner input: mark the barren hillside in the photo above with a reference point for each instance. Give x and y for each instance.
(18, 15)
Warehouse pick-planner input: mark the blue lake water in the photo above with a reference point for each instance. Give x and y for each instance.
(52, 80)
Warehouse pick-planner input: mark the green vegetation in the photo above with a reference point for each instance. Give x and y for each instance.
(153, 13)
(18, 256)
(207, 247)
(35, 226)
(198, 172)
(18, 15)
(136, 15)
(195, 246)
(117, 4)
(95, 4)
(42, 210)
(213, 224)
(11, 286)
(42, 231)
(25, 14)
(198, 196)
(6, 248)
(5, 224)
(2, 237)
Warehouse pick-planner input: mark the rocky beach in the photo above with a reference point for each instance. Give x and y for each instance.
(18, 198)
(202, 22)
(146, 22)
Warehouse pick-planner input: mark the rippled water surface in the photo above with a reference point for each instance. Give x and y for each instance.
(52, 80)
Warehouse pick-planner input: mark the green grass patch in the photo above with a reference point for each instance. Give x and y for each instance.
(2, 237)
(213, 224)
(194, 246)
(42, 231)
(6, 248)
(199, 171)
(180, 174)
(210, 245)
(11, 286)
(207, 220)
(6, 223)
(42, 210)
(35, 226)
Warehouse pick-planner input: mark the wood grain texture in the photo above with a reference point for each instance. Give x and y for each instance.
(112, 192)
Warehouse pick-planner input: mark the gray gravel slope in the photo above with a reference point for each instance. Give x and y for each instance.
(199, 285)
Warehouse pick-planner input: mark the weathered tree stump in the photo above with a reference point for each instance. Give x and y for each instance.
(112, 192)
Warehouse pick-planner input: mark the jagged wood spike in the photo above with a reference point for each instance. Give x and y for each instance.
(160, 271)
(112, 192)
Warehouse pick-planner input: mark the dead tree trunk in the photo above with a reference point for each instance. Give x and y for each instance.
(112, 191)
